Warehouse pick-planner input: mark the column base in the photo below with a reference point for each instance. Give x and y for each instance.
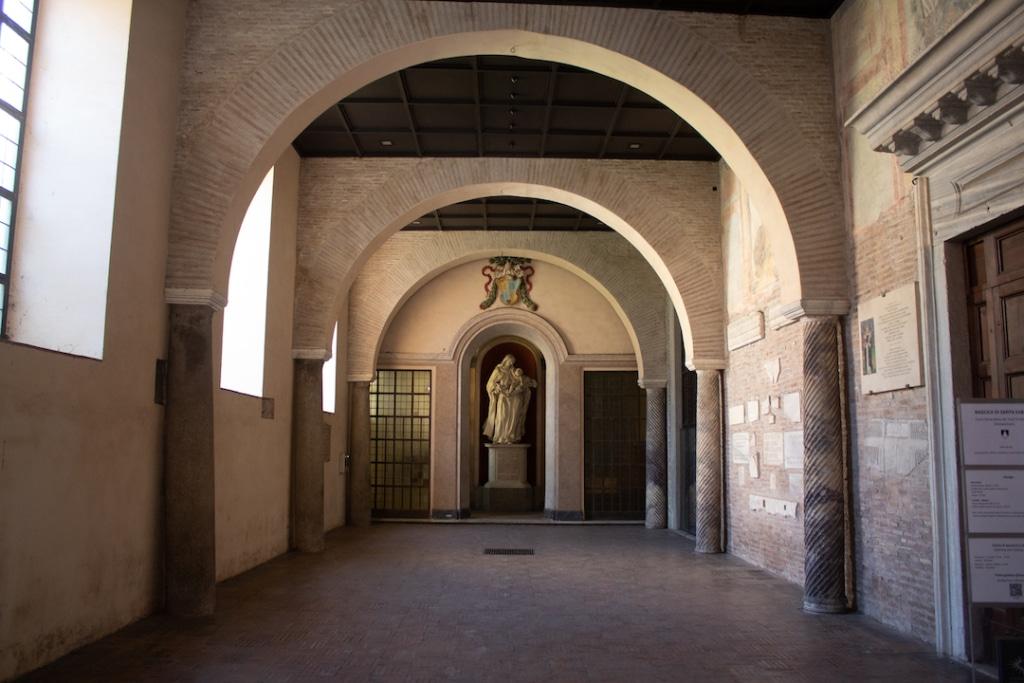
(824, 606)
(707, 551)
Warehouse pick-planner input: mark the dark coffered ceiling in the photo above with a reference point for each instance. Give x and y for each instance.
(497, 106)
(508, 214)
(815, 9)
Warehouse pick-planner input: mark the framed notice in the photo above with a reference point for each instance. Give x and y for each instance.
(995, 501)
(992, 433)
(889, 336)
(997, 570)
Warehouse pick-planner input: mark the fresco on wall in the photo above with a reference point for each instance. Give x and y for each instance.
(752, 281)
(871, 54)
(929, 20)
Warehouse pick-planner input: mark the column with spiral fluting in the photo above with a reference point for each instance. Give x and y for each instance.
(709, 461)
(824, 541)
(657, 457)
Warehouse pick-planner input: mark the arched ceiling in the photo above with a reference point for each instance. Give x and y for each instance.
(507, 214)
(501, 106)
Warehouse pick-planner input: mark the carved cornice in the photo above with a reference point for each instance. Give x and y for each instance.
(745, 330)
(956, 90)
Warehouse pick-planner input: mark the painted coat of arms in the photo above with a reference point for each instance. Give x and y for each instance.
(508, 279)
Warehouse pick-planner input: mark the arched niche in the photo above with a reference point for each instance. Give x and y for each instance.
(476, 335)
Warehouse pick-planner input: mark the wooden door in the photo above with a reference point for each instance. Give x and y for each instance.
(995, 276)
(614, 446)
(995, 299)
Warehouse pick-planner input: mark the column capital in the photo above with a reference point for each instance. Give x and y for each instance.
(649, 383)
(196, 297)
(311, 354)
(786, 314)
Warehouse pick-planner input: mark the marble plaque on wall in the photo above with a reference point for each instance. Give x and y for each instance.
(753, 410)
(773, 449)
(791, 406)
(741, 448)
(793, 450)
(736, 415)
(890, 341)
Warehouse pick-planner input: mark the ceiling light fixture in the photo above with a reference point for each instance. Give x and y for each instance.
(634, 145)
(386, 143)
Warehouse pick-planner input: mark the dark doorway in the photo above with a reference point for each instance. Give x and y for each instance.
(400, 443)
(532, 364)
(615, 417)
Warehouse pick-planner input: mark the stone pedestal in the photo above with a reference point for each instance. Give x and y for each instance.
(507, 489)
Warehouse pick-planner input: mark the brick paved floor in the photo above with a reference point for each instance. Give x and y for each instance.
(422, 602)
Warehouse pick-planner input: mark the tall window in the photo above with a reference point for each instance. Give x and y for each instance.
(400, 443)
(245, 318)
(17, 24)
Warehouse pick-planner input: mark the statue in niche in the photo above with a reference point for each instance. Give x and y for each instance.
(508, 392)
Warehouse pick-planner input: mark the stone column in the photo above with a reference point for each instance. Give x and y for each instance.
(308, 456)
(824, 547)
(657, 457)
(190, 546)
(359, 440)
(709, 461)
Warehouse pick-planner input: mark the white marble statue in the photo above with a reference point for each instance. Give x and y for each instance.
(508, 390)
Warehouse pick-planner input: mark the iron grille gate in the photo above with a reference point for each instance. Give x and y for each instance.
(615, 416)
(400, 443)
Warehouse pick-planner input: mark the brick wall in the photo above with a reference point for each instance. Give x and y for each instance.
(873, 42)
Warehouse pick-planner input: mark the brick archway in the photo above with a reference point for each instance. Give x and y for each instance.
(682, 248)
(235, 133)
(603, 261)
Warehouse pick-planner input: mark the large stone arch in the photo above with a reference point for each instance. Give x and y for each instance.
(604, 261)
(244, 128)
(682, 247)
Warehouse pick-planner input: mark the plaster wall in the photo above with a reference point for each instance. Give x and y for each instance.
(253, 454)
(873, 42)
(80, 463)
(429, 319)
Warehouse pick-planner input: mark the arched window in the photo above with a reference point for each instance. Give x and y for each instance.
(245, 318)
(331, 374)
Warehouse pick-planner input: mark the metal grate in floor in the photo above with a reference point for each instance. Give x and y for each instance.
(508, 551)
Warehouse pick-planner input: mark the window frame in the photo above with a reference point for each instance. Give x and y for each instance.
(22, 117)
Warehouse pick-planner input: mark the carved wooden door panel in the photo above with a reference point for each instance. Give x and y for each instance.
(995, 265)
